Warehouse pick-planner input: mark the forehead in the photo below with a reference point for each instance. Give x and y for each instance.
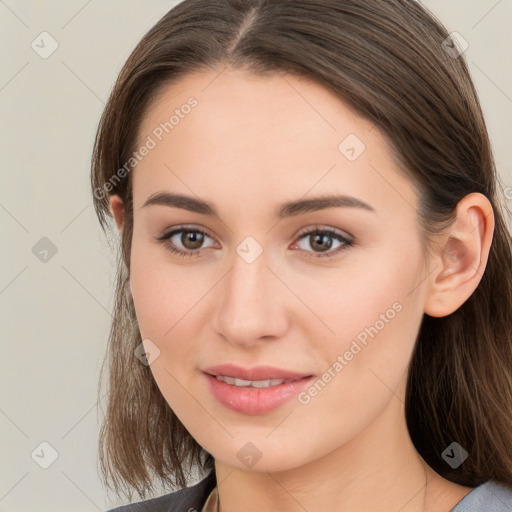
(228, 100)
(276, 135)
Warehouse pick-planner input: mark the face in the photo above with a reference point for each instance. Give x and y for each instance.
(330, 291)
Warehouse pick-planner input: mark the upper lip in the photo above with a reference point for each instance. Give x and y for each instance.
(256, 373)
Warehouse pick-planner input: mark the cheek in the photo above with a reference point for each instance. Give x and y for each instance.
(162, 292)
(375, 312)
(164, 298)
(373, 300)
(167, 299)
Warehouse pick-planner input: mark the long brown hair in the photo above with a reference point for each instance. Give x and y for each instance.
(389, 60)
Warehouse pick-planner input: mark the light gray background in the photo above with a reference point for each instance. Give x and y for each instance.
(55, 315)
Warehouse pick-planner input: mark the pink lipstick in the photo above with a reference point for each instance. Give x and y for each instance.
(255, 390)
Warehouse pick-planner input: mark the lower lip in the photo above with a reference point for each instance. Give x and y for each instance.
(249, 400)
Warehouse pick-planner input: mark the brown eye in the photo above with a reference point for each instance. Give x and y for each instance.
(184, 242)
(192, 239)
(321, 241)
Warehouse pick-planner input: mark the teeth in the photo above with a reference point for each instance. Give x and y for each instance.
(252, 383)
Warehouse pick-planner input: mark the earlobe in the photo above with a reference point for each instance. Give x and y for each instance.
(460, 262)
(117, 209)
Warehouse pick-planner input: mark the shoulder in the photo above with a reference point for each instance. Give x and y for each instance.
(490, 496)
(189, 499)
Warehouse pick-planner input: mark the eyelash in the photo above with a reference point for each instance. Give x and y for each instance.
(164, 239)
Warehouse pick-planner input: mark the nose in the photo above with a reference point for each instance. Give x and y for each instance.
(251, 303)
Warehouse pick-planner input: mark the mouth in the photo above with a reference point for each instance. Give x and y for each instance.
(254, 395)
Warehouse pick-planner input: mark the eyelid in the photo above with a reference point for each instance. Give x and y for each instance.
(176, 229)
(322, 227)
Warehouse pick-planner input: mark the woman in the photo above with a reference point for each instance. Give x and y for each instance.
(314, 292)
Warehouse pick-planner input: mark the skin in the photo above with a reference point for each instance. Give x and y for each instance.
(251, 144)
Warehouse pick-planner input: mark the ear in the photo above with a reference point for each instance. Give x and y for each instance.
(459, 263)
(117, 209)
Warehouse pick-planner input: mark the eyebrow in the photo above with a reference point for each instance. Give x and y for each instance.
(289, 209)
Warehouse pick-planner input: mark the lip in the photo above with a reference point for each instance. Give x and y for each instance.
(254, 401)
(256, 373)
